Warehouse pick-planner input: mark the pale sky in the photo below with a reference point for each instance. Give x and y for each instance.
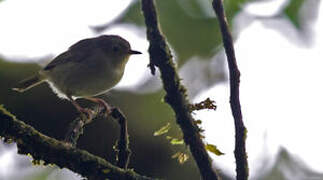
(281, 96)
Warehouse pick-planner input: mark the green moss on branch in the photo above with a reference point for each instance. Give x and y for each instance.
(51, 151)
(176, 97)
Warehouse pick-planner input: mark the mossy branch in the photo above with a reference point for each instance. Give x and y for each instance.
(241, 132)
(176, 97)
(51, 151)
(122, 148)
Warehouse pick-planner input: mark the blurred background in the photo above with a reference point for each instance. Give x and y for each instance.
(279, 53)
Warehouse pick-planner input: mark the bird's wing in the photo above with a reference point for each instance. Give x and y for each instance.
(76, 53)
(83, 44)
(60, 59)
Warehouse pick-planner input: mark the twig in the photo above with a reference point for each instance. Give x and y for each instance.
(51, 151)
(77, 125)
(123, 150)
(176, 97)
(241, 132)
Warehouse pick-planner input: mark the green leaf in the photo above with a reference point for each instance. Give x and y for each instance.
(181, 157)
(292, 11)
(213, 149)
(176, 155)
(38, 162)
(106, 171)
(162, 130)
(176, 141)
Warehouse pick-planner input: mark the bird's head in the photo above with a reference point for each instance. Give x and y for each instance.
(116, 47)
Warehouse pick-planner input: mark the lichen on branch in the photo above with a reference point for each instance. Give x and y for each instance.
(176, 97)
(51, 151)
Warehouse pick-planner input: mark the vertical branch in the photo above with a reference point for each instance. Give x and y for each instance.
(123, 150)
(240, 136)
(176, 97)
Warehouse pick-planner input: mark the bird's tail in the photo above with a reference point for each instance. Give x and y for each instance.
(28, 83)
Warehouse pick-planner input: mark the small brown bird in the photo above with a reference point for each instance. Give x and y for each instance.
(88, 68)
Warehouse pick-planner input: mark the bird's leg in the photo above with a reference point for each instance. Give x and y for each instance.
(106, 106)
(85, 111)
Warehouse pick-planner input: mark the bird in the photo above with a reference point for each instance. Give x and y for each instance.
(88, 68)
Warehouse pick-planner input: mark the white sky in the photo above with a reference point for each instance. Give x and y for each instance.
(281, 96)
(281, 83)
(37, 29)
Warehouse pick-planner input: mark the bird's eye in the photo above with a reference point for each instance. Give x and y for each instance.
(115, 48)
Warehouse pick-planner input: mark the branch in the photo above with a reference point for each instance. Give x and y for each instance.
(241, 132)
(122, 149)
(176, 97)
(77, 125)
(51, 151)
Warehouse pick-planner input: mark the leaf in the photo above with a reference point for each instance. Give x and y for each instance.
(162, 130)
(197, 122)
(181, 157)
(106, 171)
(176, 155)
(38, 162)
(206, 104)
(292, 11)
(213, 149)
(176, 141)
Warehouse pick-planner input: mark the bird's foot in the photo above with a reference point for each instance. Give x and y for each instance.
(101, 102)
(89, 113)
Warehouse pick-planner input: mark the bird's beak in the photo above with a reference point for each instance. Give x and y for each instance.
(134, 52)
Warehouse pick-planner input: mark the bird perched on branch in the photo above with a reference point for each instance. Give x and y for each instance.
(88, 68)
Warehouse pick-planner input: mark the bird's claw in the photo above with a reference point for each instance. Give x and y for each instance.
(87, 112)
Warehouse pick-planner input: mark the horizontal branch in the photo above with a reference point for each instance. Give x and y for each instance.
(51, 151)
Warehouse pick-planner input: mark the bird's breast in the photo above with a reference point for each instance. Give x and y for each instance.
(85, 80)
